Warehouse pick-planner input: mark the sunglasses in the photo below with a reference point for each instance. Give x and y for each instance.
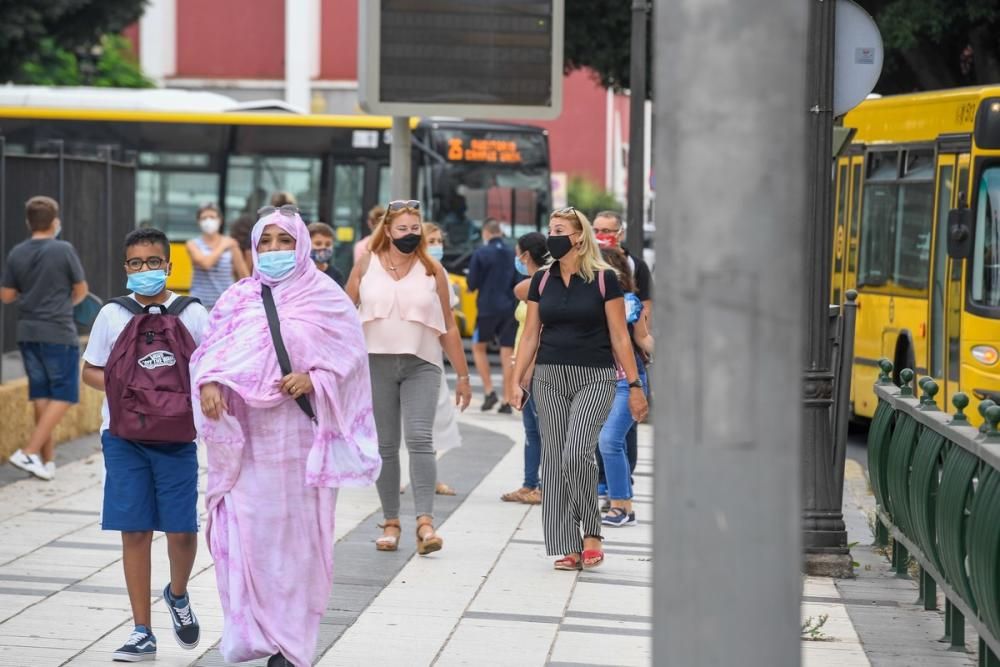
(400, 204)
(287, 210)
(569, 210)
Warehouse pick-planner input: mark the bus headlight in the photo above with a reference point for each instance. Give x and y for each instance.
(985, 354)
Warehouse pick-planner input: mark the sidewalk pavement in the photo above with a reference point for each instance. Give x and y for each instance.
(490, 597)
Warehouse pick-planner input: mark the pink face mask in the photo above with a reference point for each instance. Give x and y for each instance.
(607, 240)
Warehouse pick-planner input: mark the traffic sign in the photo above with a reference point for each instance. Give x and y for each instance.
(858, 59)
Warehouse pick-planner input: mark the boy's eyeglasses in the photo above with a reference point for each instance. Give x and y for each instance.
(287, 210)
(154, 263)
(400, 204)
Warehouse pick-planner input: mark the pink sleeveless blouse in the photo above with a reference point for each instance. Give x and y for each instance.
(401, 316)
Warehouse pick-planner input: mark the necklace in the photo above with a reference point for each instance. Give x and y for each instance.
(394, 269)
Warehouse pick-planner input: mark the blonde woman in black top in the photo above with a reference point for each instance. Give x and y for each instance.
(581, 305)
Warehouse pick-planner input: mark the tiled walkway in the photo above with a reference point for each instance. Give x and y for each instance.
(489, 598)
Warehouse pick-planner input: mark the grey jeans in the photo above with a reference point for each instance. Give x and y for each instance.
(405, 386)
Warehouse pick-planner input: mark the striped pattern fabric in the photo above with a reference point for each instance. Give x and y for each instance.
(209, 285)
(573, 403)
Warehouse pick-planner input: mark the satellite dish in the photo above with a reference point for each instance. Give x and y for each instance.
(858, 58)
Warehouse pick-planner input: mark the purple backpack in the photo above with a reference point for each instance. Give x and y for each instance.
(147, 378)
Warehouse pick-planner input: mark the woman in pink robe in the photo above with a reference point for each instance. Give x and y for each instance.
(273, 472)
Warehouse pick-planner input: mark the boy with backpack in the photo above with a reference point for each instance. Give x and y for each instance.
(138, 354)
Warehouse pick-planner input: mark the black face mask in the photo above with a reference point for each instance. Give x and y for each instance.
(407, 244)
(558, 246)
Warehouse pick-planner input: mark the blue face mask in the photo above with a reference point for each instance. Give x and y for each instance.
(436, 251)
(276, 264)
(520, 267)
(147, 283)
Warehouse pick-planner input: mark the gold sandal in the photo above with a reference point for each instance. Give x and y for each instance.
(389, 542)
(429, 542)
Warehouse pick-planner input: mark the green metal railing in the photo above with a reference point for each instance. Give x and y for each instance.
(936, 480)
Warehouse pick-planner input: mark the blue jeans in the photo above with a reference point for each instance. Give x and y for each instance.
(613, 444)
(532, 444)
(53, 371)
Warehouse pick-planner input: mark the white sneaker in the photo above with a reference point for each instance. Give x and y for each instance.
(50, 468)
(30, 463)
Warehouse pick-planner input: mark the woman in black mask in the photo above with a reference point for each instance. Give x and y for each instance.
(576, 354)
(405, 305)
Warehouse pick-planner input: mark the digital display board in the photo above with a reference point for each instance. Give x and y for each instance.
(479, 58)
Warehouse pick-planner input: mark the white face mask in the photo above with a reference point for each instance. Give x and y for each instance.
(209, 225)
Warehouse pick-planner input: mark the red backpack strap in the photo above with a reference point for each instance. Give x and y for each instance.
(541, 284)
(600, 284)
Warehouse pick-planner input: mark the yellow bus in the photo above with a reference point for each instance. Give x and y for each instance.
(914, 161)
(192, 148)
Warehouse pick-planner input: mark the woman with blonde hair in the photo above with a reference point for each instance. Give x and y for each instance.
(405, 307)
(574, 331)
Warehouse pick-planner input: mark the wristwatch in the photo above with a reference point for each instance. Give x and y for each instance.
(636, 383)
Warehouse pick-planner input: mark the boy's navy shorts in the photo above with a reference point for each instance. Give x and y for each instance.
(149, 487)
(53, 371)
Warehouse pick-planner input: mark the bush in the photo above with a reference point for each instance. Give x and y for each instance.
(590, 198)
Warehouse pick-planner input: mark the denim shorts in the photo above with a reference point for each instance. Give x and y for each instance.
(53, 371)
(149, 487)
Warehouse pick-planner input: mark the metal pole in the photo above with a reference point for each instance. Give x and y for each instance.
(727, 470)
(4, 310)
(400, 160)
(637, 129)
(825, 536)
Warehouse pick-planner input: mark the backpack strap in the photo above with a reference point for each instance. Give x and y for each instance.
(180, 303)
(128, 303)
(541, 284)
(279, 346)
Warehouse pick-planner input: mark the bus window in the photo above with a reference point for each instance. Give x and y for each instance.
(348, 202)
(252, 179)
(169, 188)
(986, 255)
(897, 219)
(384, 185)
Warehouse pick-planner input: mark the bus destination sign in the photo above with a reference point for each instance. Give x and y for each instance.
(483, 150)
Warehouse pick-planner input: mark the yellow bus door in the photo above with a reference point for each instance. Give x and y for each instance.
(842, 186)
(956, 299)
(938, 304)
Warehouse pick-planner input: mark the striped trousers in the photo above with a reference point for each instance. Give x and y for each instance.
(573, 403)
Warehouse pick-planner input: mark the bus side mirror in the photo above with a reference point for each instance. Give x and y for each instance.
(960, 233)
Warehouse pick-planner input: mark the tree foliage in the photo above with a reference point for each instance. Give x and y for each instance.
(589, 197)
(33, 30)
(597, 36)
(110, 64)
(933, 44)
(929, 44)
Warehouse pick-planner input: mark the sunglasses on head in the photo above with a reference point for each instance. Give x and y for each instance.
(400, 204)
(569, 210)
(287, 210)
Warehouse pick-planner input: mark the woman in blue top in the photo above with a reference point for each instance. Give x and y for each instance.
(215, 258)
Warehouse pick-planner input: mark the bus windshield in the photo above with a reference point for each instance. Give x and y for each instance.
(986, 256)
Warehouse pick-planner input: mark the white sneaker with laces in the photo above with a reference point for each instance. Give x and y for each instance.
(30, 463)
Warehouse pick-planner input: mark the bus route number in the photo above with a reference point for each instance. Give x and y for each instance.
(965, 113)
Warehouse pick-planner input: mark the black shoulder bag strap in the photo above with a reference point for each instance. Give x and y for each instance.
(279, 346)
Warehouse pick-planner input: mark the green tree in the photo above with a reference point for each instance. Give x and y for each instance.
(933, 44)
(111, 63)
(597, 36)
(589, 197)
(34, 30)
(929, 44)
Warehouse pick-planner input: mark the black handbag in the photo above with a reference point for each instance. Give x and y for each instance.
(279, 346)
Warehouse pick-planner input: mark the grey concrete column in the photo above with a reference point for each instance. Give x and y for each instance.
(399, 159)
(730, 163)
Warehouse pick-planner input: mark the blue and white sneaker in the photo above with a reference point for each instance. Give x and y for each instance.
(187, 632)
(140, 646)
(617, 517)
